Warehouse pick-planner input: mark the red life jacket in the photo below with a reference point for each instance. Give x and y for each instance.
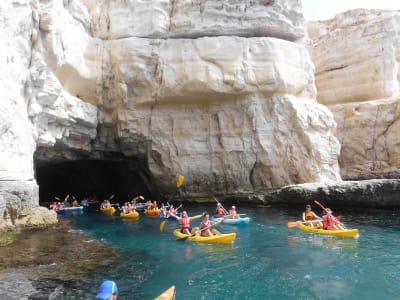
(220, 211)
(185, 223)
(205, 224)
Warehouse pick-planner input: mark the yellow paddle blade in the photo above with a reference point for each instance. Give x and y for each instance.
(56, 198)
(291, 224)
(162, 225)
(67, 197)
(112, 196)
(141, 197)
(179, 183)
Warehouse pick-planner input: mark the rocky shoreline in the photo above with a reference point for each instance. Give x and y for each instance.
(31, 257)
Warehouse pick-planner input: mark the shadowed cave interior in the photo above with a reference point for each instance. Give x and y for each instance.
(96, 179)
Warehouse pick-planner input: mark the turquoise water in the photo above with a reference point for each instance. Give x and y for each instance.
(268, 260)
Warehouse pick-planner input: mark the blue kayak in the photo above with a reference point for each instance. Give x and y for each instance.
(232, 221)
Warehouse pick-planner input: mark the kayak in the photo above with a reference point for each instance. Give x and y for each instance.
(343, 233)
(168, 294)
(72, 208)
(140, 206)
(219, 239)
(109, 210)
(131, 215)
(231, 221)
(152, 212)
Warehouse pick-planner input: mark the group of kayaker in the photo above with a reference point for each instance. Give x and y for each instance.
(327, 221)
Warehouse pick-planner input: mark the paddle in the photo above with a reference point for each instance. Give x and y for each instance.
(197, 231)
(179, 183)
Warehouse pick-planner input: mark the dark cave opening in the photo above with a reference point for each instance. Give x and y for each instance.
(96, 179)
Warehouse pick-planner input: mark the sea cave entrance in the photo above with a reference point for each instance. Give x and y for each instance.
(96, 179)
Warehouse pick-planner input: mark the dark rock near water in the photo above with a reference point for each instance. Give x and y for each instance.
(374, 193)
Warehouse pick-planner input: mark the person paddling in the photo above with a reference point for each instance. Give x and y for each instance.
(233, 213)
(220, 210)
(309, 217)
(330, 222)
(184, 221)
(205, 226)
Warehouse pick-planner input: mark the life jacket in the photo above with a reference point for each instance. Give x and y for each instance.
(328, 221)
(205, 224)
(220, 211)
(308, 215)
(185, 223)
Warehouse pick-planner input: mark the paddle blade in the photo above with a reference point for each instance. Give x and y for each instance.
(67, 197)
(179, 183)
(112, 196)
(291, 224)
(162, 225)
(57, 198)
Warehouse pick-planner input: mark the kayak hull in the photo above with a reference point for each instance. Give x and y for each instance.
(168, 294)
(152, 212)
(131, 215)
(342, 233)
(67, 209)
(217, 239)
(231, 221)
(109, 210)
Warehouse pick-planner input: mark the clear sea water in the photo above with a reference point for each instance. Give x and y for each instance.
(268, 260)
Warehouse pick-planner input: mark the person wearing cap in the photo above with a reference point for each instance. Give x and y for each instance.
(310, 218)
(330, 222)
(108, 290)
(233, 213)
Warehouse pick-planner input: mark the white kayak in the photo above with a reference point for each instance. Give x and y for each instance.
(232, 221)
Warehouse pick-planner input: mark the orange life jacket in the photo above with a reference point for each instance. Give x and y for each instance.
(308, 215)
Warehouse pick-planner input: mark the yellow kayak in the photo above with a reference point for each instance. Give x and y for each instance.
(109, 210)
(343, 233)
(152, 212)
(131, 215)
(222, 239)
(168, 294)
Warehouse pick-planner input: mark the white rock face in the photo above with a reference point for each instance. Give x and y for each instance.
(357, 58)
(191, 19)
(215, 90)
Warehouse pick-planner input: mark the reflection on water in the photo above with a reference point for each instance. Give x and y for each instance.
(331, 242)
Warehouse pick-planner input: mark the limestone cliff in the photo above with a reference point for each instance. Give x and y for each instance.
(216, 90)
(356, 56)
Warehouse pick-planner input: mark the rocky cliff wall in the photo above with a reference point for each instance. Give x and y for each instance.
(216, 90)
(356, 57)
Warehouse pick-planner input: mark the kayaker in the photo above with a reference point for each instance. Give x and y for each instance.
(205, 226)
(310, 218)
(233, 213)
(330, 222)
(184, 221)
(220, 210)
(108, 290)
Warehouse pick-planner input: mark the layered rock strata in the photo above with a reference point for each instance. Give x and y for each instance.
(357, 57)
